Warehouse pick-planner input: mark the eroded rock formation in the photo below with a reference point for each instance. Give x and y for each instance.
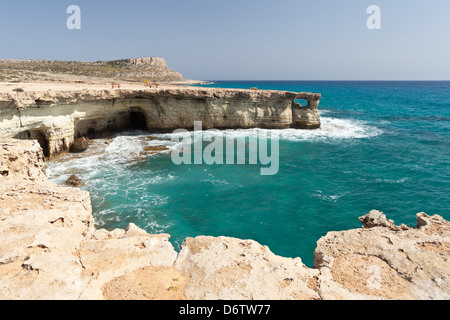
(56, 118)
(50, 249)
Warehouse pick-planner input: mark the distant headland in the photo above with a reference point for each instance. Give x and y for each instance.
(56, 102)
(129, 70)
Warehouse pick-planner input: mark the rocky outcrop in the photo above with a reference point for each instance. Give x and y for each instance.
(146, 62)
(56, 118)
(307, 117)
(79, 145)
(50, 249)
(74, 181)
(385, 261)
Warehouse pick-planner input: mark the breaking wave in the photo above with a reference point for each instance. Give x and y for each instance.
(332, 129)
(129, 147)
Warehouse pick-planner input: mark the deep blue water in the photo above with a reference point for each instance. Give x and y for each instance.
(382, 145)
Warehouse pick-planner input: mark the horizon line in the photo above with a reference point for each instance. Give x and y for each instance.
(415, 80)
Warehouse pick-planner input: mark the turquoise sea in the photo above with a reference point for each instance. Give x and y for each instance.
(382, 145)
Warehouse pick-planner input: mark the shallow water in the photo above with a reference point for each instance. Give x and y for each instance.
(382, 145)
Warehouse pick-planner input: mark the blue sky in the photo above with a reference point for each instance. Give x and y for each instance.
(241, 40)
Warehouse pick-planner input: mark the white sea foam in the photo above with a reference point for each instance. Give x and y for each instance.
(392, 180)
(105, 155)
(332, 129)
(126, 149)
(328, 198)
(215, 181)
(323, 111)
(154, 227)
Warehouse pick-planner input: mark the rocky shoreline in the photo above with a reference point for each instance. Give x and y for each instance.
(50, 249)
(55, 115)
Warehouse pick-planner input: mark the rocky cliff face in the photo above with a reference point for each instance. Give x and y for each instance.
(56, 118)
(148, 62)
(50, 249)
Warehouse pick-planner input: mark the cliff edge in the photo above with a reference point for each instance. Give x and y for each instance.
(50, 249)
(55, 115)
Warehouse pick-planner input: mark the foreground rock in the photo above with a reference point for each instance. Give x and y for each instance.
(228, 268)
(383, 260)
(21, 160)
(50, 249)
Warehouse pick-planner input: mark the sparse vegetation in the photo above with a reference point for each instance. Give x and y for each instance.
(35, 70)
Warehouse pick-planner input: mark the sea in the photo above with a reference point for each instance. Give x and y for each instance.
(382, 145)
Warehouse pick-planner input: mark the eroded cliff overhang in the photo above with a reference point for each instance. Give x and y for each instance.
(57, 117)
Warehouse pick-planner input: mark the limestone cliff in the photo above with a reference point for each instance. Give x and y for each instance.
(50, 249)
(57, 117)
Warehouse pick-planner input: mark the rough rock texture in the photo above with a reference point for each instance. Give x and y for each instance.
(386, 261)
(153, 283)
(50, 249)
(307, 117)
(228, 268)
(79, 145)
(74, 181)
(56, 118)
(21, 160)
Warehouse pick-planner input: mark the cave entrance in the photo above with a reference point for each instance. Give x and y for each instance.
(138, 121)
(36, 135)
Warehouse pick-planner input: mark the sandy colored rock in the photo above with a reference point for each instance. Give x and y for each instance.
(21, 160)
(56, 114)
(229, 268)
(402, 263)
(369, 275)
(149, 283)
(49, 247)
(376, 218)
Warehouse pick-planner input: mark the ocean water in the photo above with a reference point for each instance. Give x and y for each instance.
(382, 145)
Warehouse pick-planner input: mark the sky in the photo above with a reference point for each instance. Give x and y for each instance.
(240, 39)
